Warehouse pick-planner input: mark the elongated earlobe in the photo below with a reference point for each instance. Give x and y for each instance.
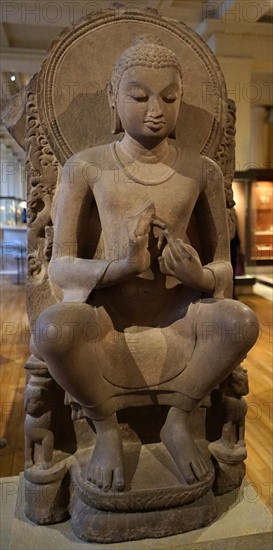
(116, 126)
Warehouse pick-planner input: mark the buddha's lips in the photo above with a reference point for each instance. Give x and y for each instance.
(154, 124)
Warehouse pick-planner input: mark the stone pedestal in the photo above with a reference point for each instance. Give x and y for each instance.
(89, 524)
(155, 502)
(227, 477)
(243, 523)
(47, 496)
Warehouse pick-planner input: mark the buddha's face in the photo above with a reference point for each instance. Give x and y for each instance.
(148, 102)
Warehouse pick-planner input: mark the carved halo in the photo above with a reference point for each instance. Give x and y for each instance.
(72, 95)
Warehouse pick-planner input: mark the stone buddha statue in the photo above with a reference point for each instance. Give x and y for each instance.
(144, 320)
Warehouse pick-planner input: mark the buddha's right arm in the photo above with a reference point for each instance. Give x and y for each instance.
(77, 277)
(74, 274)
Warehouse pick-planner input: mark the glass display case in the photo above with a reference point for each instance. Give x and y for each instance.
(12, 211)
(13, 238)
(261, 221)
(253, 194)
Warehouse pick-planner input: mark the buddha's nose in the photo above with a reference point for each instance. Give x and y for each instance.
(154, 108)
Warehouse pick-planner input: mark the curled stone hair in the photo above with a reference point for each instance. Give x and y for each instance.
(146, 51)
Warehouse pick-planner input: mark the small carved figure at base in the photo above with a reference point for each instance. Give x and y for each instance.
(231, 447)
(38, 421)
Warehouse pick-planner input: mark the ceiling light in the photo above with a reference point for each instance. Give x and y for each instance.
(13, 77)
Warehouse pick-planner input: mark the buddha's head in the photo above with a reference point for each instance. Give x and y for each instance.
(145, 91)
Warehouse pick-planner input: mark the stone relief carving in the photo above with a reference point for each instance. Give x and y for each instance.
(225, 158)
(42, 171)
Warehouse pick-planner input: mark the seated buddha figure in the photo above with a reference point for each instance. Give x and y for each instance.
(137, 300)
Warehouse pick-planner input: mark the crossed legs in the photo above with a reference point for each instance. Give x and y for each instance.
(225, 331)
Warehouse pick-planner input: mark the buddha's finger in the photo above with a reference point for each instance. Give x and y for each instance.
(186, 249)
(162, 225)
(162, 265)
(173, 250)
(159, 223)
(166, 232)
(169, 259)
(161, 234)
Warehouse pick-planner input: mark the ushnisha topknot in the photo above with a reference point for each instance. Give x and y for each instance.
(146, 50)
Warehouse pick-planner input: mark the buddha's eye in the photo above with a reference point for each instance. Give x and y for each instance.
(170, 98)
(139, 95)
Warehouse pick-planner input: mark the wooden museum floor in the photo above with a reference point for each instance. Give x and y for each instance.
(259, 422)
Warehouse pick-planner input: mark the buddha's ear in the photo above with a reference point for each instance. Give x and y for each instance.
(116, 125)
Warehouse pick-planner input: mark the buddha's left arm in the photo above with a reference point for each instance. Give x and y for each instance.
(211, 214)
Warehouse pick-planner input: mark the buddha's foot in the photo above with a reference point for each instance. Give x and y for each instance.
(106, 469)
(177, 439)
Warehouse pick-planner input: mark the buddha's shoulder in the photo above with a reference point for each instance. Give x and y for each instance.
(195, 165)
(100, 155)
